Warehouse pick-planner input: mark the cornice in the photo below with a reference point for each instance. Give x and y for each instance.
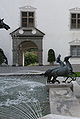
(27, 8)
(75, 42)
(74, 10)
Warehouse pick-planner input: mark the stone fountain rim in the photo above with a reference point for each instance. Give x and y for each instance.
(22, 74)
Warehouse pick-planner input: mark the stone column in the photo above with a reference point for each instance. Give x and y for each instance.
(40, 57)
(15, 57)
(20, 58)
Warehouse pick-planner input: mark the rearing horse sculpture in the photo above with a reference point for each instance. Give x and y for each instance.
(3, 25)
(64, 70)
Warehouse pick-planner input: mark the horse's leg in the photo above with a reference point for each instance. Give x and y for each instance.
(73, 79)
(57, 81)
(65, 80)
(48, 79)
(54, 80)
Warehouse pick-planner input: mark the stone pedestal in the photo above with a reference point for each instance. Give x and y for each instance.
(52, 116)
(62, 100)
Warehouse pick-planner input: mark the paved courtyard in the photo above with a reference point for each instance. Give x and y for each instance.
(26, 69)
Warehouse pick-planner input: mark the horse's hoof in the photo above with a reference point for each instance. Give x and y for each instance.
(68, 82)
(48, 82)
(63, 81)
(53, 82)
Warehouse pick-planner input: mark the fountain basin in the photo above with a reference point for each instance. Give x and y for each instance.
(21, 97)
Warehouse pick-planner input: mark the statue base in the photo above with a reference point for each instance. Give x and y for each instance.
(53, 116)
(62, 100)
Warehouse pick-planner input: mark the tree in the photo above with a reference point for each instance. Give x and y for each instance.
(51, 56)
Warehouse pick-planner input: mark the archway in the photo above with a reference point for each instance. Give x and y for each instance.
(25, 48)
(22, 41)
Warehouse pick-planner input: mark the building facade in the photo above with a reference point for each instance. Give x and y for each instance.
(42, 25)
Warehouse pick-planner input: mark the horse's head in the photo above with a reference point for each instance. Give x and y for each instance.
(1, 20)
(67, 58)
(3, 25)
(58, 58)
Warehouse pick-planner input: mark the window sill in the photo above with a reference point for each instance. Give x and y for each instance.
(75, 57)
(74, 29)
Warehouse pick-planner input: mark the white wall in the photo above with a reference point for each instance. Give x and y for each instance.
(53, 18)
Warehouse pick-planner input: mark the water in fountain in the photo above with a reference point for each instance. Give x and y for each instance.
(23, 97)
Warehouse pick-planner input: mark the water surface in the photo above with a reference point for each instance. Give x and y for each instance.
(23, 97)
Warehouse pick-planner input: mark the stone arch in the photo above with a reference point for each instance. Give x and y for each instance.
(27, 38)
(17, 51)
(22, 48)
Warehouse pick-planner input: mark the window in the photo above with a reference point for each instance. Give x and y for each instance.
(75, 51)
(27, 19)
(75, 20)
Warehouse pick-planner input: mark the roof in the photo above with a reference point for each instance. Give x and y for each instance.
(27, 32)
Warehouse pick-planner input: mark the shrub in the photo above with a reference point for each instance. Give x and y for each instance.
(51, 56)
(30, 58)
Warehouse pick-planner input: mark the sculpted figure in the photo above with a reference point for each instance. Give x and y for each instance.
(64, 70)
(3, 25)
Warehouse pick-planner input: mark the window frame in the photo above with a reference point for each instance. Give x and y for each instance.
(77, 25)
(28, 18)
(77, 50)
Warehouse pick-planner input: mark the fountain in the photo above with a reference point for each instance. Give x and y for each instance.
(21, 97)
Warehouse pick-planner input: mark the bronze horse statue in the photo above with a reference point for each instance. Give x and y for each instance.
(64, 70)
(3, 25)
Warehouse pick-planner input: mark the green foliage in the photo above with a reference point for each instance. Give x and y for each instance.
(30, 58)
(77, 74)
(51, 56)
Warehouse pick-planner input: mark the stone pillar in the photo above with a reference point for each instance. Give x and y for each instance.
(15, 57)
(63, 101)
(40, 57)
(20, 58)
